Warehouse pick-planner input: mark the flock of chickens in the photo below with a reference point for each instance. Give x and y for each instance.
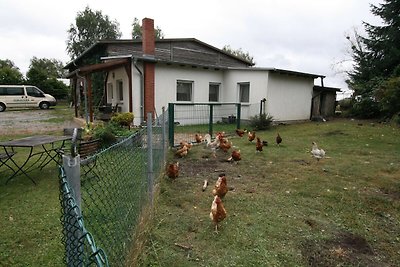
(218, 212)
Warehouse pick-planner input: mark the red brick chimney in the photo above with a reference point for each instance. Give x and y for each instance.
(148, 47)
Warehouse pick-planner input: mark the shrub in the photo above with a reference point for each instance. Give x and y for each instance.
(261, 122)
(123, 119)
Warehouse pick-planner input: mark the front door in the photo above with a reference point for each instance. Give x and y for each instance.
(34, 96)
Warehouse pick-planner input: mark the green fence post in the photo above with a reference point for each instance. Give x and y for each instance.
(239, 109)
(210, 123)
(171, 123)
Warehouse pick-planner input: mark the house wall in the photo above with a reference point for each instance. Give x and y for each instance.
(289, 97)
(258, 80)
(113, 77)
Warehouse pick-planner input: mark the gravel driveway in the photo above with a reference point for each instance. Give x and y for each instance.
(32, 121)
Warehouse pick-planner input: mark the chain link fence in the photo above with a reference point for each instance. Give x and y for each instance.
(114, 189)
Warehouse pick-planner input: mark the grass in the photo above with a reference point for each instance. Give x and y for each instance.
(286, 209)
(30, 227)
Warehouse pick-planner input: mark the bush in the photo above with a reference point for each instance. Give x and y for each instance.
(261, 122)
(123, 119)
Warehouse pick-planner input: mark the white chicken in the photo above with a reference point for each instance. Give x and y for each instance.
(212, 144)
(317, 153)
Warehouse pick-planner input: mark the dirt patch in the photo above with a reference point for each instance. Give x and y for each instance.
(344, 249)
(34, 121)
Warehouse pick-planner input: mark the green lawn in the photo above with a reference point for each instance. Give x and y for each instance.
(285, 208)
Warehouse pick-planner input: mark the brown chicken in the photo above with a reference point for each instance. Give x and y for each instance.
(225, 145)
(252, 136)
(173, 170)
(235, 156)
(182, 152)
(240, 132)
(184, 143)
(259, 145)
(278, 139)
(198, 138)
(218, 212)
(221, 187)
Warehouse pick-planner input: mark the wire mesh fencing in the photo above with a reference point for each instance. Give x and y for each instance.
(116, 188)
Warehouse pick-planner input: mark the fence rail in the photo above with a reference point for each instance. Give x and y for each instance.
(111, 192)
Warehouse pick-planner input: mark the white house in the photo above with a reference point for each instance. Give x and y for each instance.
(145, 75)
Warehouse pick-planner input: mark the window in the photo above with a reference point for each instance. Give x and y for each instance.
(120, 89)
(13, 91)
(110, 91)
(213, 93)
(33, 91)
(244, 92)
(184, 90)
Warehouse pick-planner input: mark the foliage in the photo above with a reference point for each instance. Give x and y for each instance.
(377, 63)
(90, 27)
(108, 132)
(123, 119)
(137, 31)
(9, 73)
(239, 53)
(261, 122)
(43, 73)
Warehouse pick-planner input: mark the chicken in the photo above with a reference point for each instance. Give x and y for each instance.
(251, 136)
(173, 170)
(259, 145)
(184, 143)
(182, 152)
(225, 145)
(221, 187)
(278, 139)
(198, 138)
(240, 132)
(235, 156)
(317, 153)
(218, 212)
(212, 144)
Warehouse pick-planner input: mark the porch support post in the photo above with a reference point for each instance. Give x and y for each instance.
(89, 92)
(128, 69)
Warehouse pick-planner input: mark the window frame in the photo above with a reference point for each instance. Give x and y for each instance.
(190, 93)
(217, 94)
(120, 90)
(240, 92)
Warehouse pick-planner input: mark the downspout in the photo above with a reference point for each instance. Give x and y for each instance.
(141, 90)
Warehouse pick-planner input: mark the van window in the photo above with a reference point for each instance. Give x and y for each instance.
(11, 91)
(33, 91)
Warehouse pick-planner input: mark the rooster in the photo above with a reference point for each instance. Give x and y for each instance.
(317, 153)
(235, 156)
(173, 170)
(259, 145)
(251, 136)
(278, 139)
(198, 138)
(221, 187)
(240, 132)
(218, 212)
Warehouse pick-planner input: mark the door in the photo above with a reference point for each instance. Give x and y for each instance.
(34, 96)
(15, 97)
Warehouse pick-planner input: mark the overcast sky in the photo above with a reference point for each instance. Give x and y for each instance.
(298, 35)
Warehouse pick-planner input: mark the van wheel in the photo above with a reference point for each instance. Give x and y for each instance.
(44, 105)
(2, 107)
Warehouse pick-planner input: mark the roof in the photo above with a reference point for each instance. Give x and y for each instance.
(282, 71)
(323, 88)
(161, 46)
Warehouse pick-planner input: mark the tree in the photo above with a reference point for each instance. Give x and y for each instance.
(377, 63)
(44, 73)
(137, 31)
(239, 53)
(90, 26)
(9, 73)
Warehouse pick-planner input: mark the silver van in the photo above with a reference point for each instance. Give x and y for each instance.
(24, 96)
